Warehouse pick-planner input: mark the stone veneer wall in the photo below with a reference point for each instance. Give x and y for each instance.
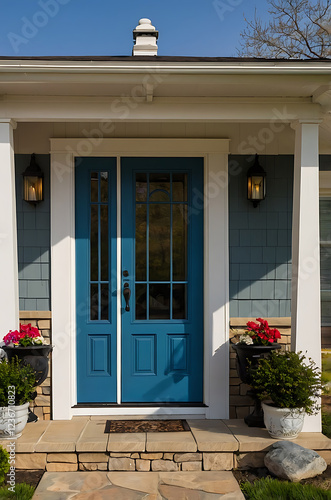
(242, 404)
(42, 320)
(140, 462)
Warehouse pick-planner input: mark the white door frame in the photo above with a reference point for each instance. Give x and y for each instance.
(216, 268)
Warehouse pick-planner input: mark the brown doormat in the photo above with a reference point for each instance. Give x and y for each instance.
(146, 426)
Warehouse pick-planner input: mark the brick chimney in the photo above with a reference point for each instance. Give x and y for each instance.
(145, 36)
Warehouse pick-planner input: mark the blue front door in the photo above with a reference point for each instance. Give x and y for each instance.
(161, 280)
(162, 259)
(96, 319)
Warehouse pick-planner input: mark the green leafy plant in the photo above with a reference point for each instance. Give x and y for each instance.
(274, 489)
(4, 464)
(289, 380)
(17, 382)
(22, 491)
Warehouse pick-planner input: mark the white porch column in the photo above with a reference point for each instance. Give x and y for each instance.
(306, 315)
(8, 234)
(63, 284)
(216, 270)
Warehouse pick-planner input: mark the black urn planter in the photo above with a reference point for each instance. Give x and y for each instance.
(37, 357)
(34, 355)
(247, 358)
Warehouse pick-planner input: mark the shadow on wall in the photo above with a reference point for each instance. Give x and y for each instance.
(33, 239)
(260, 240)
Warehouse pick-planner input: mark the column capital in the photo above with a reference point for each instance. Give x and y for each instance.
(309, 121)
(10, 121)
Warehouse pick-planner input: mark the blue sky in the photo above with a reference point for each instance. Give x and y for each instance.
(104, 27)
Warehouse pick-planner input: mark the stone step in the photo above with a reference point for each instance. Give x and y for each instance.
(136, 486)
(81, 444)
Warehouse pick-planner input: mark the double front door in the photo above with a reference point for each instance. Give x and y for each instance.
(141, 342)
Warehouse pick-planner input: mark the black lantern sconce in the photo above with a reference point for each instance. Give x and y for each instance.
(256, 183)
(33, 179)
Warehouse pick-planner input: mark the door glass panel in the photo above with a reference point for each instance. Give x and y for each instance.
(141, 242)
(159, 242)
(159, 187)
(179, 242)
(141, 303)
(104, 186)
(179, 187)
(94, 303)
(161, 236)
(99, 246)
(141, 187)
(179, 301)
(159, 301)
(104, 242)
(94, 242)
(105, 301)
(94, 187)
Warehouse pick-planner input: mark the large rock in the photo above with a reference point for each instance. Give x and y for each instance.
(293, 462)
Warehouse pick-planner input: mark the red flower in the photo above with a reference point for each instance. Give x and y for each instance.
(262, 333)
(23, 337)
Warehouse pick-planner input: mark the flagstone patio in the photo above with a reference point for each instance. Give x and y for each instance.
(134, 486)
(210, 445)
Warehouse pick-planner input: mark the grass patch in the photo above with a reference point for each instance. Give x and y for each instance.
(272, 489)
(326, 366)
(326, 424)
(23, 491)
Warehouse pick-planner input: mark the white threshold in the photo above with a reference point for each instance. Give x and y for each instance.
(194, 412)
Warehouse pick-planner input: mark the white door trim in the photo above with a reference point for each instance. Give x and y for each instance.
(216, 263)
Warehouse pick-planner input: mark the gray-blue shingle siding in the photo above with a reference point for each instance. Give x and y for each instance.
(33, 239)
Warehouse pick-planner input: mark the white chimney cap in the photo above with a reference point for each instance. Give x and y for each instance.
(145, 25)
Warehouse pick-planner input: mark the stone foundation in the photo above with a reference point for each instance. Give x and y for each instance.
(140, 462)
(42, 320)
(242, 404)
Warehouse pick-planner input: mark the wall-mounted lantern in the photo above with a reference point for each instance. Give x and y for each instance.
(33, 179)
(256, 183)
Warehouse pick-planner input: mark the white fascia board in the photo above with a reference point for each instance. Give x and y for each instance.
(203, 67)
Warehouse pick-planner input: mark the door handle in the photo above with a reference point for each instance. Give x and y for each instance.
(127, 295)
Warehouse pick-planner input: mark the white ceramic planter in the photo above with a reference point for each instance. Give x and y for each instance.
(283, 423)
(13, 419)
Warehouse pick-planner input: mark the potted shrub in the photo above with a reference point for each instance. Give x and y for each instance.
(17, 382)
(291, 383)
(257, 341)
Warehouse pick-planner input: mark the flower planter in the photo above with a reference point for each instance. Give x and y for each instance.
(13, 420)
(34, 355)
(248, 357)
(283, 423)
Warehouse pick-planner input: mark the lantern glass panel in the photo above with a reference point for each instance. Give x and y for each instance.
(257, 187)
(33, 188)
